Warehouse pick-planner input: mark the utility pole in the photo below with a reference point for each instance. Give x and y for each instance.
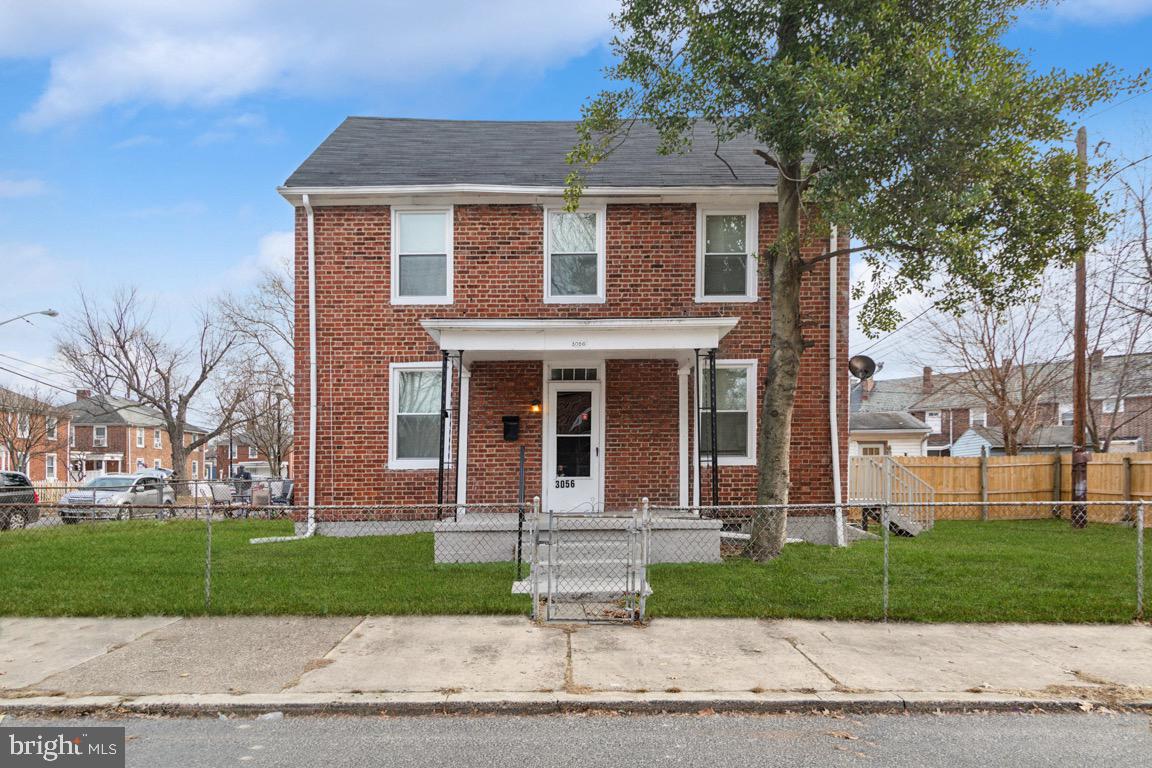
(1080, 352)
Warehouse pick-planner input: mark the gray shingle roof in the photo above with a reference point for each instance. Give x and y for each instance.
(110, 410)
(885, 422)
(375, 151)
(1044, 437)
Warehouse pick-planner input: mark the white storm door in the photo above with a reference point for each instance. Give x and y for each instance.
(572, 463)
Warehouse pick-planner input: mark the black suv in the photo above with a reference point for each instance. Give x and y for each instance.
(17, 501)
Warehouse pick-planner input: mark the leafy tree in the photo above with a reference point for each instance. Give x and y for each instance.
(907, 122)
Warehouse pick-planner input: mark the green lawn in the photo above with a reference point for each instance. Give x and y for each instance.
(961, 571)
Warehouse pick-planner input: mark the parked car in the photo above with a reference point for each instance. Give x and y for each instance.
(117, 497)
(18, 500)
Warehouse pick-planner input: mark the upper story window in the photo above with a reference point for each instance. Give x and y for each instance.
(726, 255)
(23, 425)
(252, 452)
(735, 412)
(422, 256)
(978, 417)
(157, 439)
(99, 437)
(51, 427)
(1065, 416)
(935, 421)
(139, 437)
(414, 416)
(71, 436)
(1112, 406)
(574, 256)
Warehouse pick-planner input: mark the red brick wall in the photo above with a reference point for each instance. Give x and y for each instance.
(651, 268)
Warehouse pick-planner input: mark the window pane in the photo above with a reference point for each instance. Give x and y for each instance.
(731, 434)
(725, 275)
(573, 413)
(573, 456)
(731, 389)
(419, 392)
(725, 234)
(423, 276)
(574, 275)
(421, 232)
(573, 233)
(417, 437)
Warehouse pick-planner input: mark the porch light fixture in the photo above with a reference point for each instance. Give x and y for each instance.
(534, 406)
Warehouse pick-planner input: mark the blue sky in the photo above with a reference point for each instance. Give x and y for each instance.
(142, 144)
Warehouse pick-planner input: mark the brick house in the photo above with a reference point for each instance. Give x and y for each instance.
(440, 252)
(244, 453)
(111, 434)
(1120, 404)
(33, 437)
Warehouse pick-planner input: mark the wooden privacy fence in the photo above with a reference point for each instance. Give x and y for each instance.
(982, 482)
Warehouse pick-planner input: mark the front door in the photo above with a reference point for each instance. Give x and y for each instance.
(572, 447)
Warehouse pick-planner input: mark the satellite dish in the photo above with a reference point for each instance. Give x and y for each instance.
(862, 367)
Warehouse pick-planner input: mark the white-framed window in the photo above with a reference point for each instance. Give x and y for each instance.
(195, 469)
(157, 439)
(233, 451)
(99, 437)
(253, 452)
(1112, 405)
(414, 416)
(422, 255)
(49, 466)
(71, 436)
(139, 437)
(978, 417)
(23, 425)
(156, 464)
(735, 412)
(935, 421)
(51, 427)
(1065, 416)
(574, 256)
(726, 247)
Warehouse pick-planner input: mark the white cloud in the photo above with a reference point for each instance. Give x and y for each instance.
(1102, 11)
(274, 251)
(10, 188)
(105, 53)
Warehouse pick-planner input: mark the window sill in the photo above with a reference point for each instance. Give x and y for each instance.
(574, 300)
(727, 299)
(421, 300)
(411, 464)
(730, 461)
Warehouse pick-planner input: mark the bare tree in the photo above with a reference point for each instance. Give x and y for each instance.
(116, 350)
(27, 419)
(1011, 361)
(266, 416)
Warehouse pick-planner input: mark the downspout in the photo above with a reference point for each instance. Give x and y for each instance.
(834, 386)
(313, 397)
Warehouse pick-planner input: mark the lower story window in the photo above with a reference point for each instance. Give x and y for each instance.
(735, 421)
(414, 404)
(50, 466)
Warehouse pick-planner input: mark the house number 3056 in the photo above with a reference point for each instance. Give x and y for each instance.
(565, 483)
(579, 344)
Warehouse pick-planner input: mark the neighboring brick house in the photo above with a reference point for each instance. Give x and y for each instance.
(111, 434)
(581, 334)
(1120, 403)
(244, 453)
(33, 437)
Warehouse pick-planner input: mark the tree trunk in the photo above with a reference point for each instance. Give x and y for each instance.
(772, 459)
(179, 455)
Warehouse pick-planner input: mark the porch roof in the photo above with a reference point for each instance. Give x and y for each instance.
(578, 339)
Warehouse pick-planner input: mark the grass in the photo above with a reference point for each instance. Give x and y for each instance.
(961, 571)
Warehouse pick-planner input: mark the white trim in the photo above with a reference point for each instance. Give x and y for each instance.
(547, 428)
(157, 439)
(751, 242)
(752, 398)
(462, 436)
(55, 467)
(379, 194)
(682, 430)
(394, 269)
(139, 437)
(393, 390)
(104, 442)
(601, 214)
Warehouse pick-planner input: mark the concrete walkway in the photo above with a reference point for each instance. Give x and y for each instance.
(414, 664)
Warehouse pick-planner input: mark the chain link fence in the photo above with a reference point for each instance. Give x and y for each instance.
(212, 548)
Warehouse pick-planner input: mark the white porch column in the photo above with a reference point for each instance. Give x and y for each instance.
(682, 389)
(462, 438)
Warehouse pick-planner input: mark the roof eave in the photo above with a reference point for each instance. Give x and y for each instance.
(351, 195)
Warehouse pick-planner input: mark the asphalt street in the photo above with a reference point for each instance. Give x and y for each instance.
(717, 741)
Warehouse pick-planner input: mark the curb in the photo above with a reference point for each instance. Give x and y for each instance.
(422, 704)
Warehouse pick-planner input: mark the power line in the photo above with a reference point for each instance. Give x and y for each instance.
(896, 330)
(34, 365)
(1136, 95)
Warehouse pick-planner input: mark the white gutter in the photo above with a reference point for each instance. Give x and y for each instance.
(313, 398)
(833, 386)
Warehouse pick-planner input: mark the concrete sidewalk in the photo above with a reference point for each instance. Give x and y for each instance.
(432, 664)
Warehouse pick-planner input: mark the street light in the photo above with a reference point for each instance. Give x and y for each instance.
(45, 312)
